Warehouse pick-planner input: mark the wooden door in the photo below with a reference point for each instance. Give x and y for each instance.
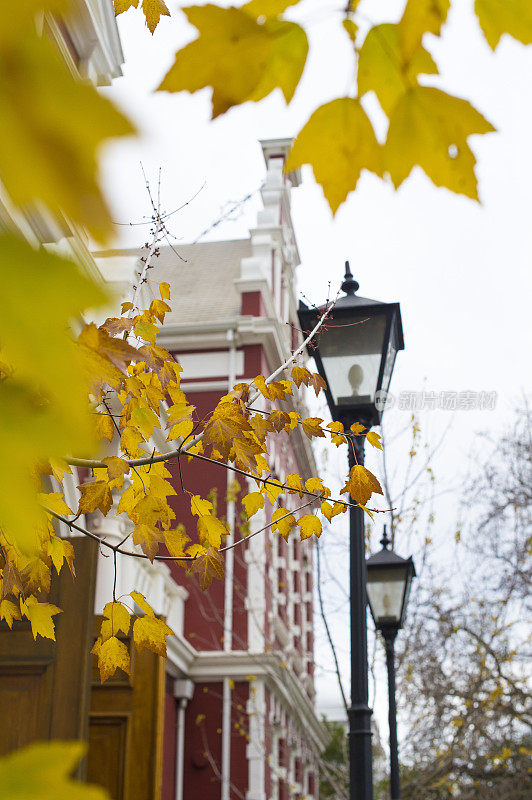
(45, 685)
(126, 726)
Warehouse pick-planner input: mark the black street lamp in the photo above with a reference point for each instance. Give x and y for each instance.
(389, 578)
(355, 356)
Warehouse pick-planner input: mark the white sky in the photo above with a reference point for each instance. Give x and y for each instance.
(461, 271)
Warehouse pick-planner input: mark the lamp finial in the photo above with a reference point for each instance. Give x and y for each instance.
(350, 285)
(385, 541)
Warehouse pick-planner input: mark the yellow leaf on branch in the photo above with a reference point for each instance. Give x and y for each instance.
(374, 439)
(310, 525)
(42, 771)
(153, 10)
(211, 530)
(150, 633)
(95, 495)
(351, 147)
(382, 68)
(430, 128)
(116, 620)
(283, 522)
(361, 484)
(252, 503)
(112, 654)
(420, 17)
(207, 566)
(40, 617)
(512, 16)
(231, 54)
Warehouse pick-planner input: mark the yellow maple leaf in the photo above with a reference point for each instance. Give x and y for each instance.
(295, 483)
(252, 503)
(148, 537)
(117, 469)
(207, 566)
(104, 428)
(42, 771)
(40, 617)
(164, 291)
(176, 540)
(9, 611)
(60, 550)
(352, 147)
(112, 654)
(361, 484)
(282, 521)
(312, 427)
(374, 439)
(152, 510)
(54, 501)
(211, 530)
(61, 148)
(130, 441)
(315, 485)
(383, 69)
(513, 17)
(430, 128)
(301, 375)
(273, 489)
(150, 633)
(357, 428)
(267, 8)
(60, 468)
(231, 54)
(337, 430)
(420, 17)
(199, 507)
(310, 526)
(153, 10)
(117, 619)
(95, 495)
(287, 59)
(142, 603)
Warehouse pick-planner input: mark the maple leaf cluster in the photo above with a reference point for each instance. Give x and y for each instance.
(134, 392)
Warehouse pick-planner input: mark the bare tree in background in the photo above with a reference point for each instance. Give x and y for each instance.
(463, 657)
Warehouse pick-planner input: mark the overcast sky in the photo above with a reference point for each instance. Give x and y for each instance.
(460, 270)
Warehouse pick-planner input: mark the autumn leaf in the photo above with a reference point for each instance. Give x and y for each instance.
(295, 483)
(420, 17)
(282, 521)
(117, 469)
(112, 654)
(279, 420)
(301, 375)
(351, 28)
(208, 566)
(268, 8)
(310, 525)
(9, 612)
(361, 484)
(357, 428)
(152, 510)
(511, 16)
(351, 147)
(312, 427)
(42, 771)
(117, 619)
(231, 54)
(430, 128)
(244, 452)
(148, 538)
(54, 501)
(273, 489)
(61, 148)
(176, 540)
(383, 69)
(315, 486)
(61, 550)
(337, 430)
(252, 503)
(150, 633)
(40, 617)
(95, 495)
(199, 507)
(104, 428)
(374, 439)
(142, 603)
(317, 383)
(287, 58)
(130, 440)
(329, 511)
(225, 425)
(211, 530)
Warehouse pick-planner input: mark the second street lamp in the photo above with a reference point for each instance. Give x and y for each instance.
(355, 356)
(389, 578)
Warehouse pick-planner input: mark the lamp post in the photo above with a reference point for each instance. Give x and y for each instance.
(389, 578)
(355, 356)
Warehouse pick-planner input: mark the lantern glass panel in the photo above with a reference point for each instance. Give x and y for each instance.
(386, 591)
(351, 356)
(389, 361)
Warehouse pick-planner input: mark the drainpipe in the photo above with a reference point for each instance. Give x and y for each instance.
(228, 602)
(183, 691)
